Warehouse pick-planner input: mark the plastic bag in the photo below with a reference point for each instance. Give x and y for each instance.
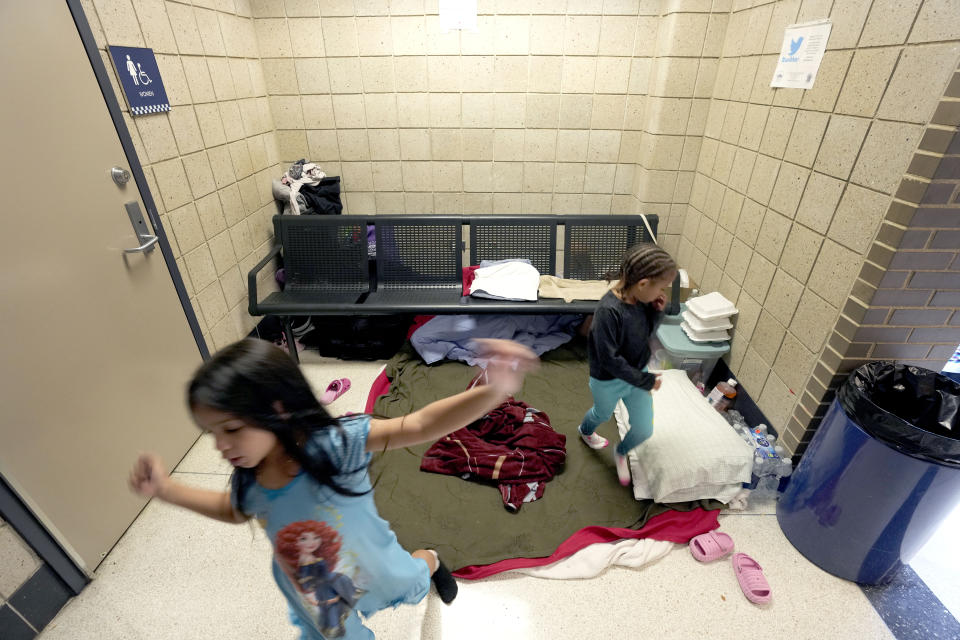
(914, 410)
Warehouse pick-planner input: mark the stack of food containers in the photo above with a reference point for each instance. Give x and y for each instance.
(707, 318)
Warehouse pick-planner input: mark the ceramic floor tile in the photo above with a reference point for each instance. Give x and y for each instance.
(938, 563)
(203, 457)
(175, 574)
(178, 575)
(676, 597)
(758, 506)
(910, 609)
(321, 371)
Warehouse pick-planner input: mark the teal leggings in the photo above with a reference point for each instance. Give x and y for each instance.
(639, 404)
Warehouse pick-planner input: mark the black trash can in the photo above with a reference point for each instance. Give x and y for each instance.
(881, 473)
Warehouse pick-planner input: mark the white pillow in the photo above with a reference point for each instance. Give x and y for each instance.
(693, 453)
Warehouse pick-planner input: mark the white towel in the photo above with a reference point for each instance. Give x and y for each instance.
(509, 280)
(592, 560)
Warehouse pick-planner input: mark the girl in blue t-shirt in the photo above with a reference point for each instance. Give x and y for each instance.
(303, 476)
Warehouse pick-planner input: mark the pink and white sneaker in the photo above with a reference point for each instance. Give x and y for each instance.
(623, 469)
(594, 440)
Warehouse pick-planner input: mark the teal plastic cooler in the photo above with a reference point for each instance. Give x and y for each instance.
(676, 351)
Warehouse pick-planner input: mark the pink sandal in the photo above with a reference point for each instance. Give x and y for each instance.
(711, 546)
(752, 581)
(334, 390)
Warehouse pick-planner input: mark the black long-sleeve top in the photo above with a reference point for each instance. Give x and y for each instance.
(619, 341)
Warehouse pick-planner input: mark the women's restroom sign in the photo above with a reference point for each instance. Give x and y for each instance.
(801, 54)
(140, 79)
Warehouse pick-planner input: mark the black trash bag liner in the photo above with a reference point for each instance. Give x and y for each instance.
(914, 410)
(324, 198)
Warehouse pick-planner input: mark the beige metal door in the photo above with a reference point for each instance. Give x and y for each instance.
(94, 344)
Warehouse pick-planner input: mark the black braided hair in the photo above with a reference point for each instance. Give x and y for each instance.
(247, 379)
(644, 260)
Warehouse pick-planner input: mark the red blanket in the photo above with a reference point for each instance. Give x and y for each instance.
(674, 526)
(513, 445)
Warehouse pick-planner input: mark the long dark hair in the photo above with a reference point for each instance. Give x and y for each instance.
(247, 379)
(644, 260)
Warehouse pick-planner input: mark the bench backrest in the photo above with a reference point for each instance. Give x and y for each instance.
(323, 253)
(504, 237)
(418, 251)
(593, 245)
(426, 251)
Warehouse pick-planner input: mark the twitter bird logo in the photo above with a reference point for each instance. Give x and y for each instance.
(795, 45)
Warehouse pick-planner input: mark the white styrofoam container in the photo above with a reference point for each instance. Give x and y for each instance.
(699, 324)
(711, 306)
(704, 336)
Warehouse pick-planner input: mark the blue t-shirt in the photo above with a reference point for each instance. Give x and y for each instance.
(334, 555)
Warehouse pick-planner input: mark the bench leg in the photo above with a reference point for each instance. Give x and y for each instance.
(291, 341)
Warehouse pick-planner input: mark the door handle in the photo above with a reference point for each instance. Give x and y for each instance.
(147, 240)
(144, 248)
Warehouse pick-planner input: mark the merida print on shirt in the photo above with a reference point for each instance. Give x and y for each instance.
(309, 553)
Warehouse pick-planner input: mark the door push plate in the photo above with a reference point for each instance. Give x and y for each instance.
(147, 240)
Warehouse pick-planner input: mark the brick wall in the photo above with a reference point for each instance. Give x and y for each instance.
(914, 316)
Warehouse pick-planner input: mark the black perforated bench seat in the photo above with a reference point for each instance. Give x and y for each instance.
(419, 258)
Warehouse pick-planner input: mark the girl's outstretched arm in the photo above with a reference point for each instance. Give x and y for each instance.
(508, 362)
(149, 479)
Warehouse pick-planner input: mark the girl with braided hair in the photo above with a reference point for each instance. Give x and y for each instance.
(619, 349)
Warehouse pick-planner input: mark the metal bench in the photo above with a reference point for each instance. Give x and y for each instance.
(417, 266)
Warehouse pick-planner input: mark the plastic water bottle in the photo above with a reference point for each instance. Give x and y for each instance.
(766, 487)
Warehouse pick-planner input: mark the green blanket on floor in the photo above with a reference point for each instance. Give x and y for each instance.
(466, 521)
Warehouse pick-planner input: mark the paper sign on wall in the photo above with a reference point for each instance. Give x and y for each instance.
(458, 14)
(801, 54)
(140, 78)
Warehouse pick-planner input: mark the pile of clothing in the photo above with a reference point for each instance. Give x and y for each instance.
(451, 336)
(513, 446)
(305, 189)
(518, 280)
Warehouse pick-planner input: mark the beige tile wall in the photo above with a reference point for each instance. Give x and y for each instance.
(684, 52)
(540, 111)
(904, 305)
(772, 196)
(791, 186)
(209, 160)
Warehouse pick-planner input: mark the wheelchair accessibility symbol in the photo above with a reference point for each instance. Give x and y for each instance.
(139, 76)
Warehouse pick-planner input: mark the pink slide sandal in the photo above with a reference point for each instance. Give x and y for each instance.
(334, 390)
(710, 546)
(752, 581)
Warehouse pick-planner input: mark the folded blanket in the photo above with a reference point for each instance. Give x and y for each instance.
(570, 290)
(512, 280)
